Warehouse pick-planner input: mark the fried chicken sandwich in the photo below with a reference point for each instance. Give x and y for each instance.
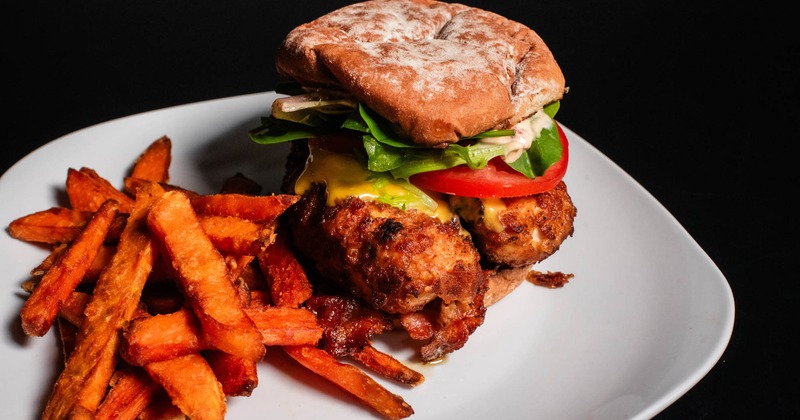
(427, 157)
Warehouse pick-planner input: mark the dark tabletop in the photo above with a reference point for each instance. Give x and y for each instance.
(697, 101)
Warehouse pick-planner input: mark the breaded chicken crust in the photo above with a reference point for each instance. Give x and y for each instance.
(531, 228)
(395, 260)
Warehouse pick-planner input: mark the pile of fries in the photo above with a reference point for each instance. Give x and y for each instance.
(165, 300)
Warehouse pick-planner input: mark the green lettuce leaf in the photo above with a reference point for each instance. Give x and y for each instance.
(544, 151)
(387, 152)
(273, 130)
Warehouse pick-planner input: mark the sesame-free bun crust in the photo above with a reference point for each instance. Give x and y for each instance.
(440, 71)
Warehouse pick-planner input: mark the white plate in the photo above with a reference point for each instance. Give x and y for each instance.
(647, 315)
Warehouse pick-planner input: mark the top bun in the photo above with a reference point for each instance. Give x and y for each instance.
(440, 71)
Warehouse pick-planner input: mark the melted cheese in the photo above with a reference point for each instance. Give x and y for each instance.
(344, 176)
(481, 210)
(491, 210)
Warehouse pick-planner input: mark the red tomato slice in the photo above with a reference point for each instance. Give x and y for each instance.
(496, 179)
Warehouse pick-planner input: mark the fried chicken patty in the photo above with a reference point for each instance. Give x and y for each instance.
(427, 273)
(524, 231)
(395, 260)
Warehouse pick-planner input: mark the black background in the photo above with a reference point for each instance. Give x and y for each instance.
(698, 101)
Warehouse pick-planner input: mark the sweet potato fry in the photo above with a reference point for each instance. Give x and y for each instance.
(73, 307)
(96, 384)
(286, 326)
(58, 225)
(72, 310)
(387, 366)
(114, 301)
(239, 236)
(181, 294)
(162, 337)
(153, 163)
(131, 185)
(69, 324)
(352, 380)
(101, 260)
(41, 307)
(192, 386)
(131, 392)
(286, 278)
(202, 272)
(86, 190)
(52, 226)
(261, 208)
(47, 262)
(238, 376)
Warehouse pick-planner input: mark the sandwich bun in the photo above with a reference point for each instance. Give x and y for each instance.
(439, 71)
(435, 73)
